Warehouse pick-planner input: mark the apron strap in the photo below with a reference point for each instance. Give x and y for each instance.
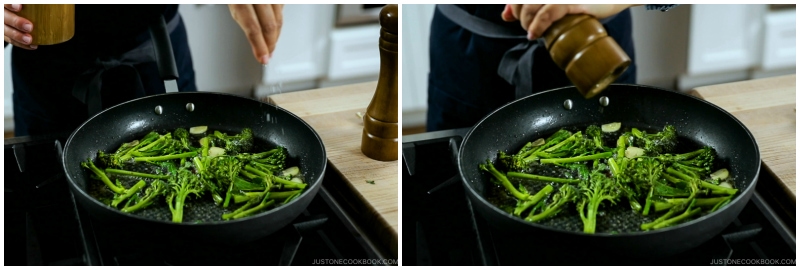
(516, 67)
(88, 86)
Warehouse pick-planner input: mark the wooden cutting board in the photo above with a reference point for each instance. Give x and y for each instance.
(332, 113)
(767, 107)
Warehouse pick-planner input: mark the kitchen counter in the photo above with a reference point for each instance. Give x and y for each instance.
(369, 186)
(767, 107)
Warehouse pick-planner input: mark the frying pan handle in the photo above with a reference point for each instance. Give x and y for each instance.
(59, 150)
(410, 143)
(455, 144)
(162, 46)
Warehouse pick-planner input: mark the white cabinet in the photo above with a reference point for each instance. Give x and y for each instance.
(354, 52)
(8, 104)
(312, 53)
(222, 58)
(416, 25)
(301, 52)
(724, 38)
(779, 40)
(738, 42)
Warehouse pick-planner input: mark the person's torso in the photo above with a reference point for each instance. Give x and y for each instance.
(109, 29)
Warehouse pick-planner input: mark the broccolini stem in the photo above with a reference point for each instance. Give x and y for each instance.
(199, 165)
(288, 183)
(127, 154)
(576, 159)
(525, 150)
(503, 180)
(170, 199)
(141, 204)
(648, 226)
(581, 205)
(672, 221)
(254, 170)
(238, 210)
(265, 154)
(167, 157)
(721, 203)
(702, 203)
(614, 167)
(661, 206)
(290, 198)
(719, 189)
(204, 144)
(217, 199)
(117, 189)
(689, 155)
(648, 202)
(140, 154)
(535, 146)
(532, 200)
(714, 188)
(128, 193)
(542, 178)
(228, 195)
(269, 169)
(547, 212)
(248, 174)
(671, 178)
(589, 227)
(688, 168)
(561, 143)
(621, 146)
(246, 197)
(254, 209)
(138, 174)
(154, 143)
(177, 216)
(281, 195)
(680, 175)
(636, 206)
(530, 158)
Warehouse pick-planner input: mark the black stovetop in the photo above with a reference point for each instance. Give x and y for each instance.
(442, 229)
(44, 226)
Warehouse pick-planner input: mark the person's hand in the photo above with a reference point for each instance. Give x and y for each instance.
(262, 26)
(537, 18)
(17, 29)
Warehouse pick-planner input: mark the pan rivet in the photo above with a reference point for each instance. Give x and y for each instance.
(159, 110)
(604, 101)
(568, 104)
(190, 107)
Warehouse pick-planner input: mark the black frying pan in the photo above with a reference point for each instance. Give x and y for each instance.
(539, 115)
(131, 120)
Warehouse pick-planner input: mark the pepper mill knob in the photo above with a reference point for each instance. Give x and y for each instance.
(379, 137)
(591, 59)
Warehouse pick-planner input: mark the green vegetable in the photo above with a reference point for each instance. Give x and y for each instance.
(642, 170)
(173, 168)
(183, 185)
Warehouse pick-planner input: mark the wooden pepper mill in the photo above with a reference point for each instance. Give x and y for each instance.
(52, 23)
(591, 58)
(379, 138)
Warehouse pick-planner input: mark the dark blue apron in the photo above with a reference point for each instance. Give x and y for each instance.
(474, 62)
(54, 92)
